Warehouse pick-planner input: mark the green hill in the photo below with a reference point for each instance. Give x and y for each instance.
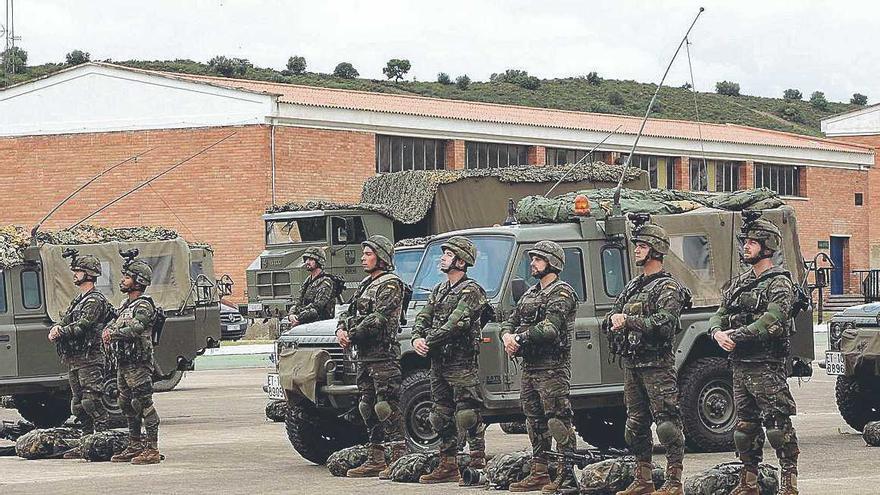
(575, 93)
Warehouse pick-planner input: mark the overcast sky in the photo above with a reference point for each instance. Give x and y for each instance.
(765, 46)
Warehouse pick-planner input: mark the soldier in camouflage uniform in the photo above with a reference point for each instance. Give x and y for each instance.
(447, 330)
(646, 314)
(316, 298)
(371, 324)
(539, 329)
(754, 324)
(77, 337)
(130, 340)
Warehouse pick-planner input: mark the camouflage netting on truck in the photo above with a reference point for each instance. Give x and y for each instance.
(560, 209)
(321, 204)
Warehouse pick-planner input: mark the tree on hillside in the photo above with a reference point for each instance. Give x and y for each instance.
(346, 71)
(615, 98)
(792, 94)
(396, 68)
(516, 76)
(594, 79)
(462, 82)
(77, 57)
(858, 99)
(14, 59)
(229, 67)
(818, 101)
(728, 88)
(296, 65)
(443, 78)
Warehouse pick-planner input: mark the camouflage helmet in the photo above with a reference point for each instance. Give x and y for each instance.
(316, 254)
(86, 263)
(653, 235)
(461, 247)
(551, 252)
(383, 248)
(763, 231)
(139, 271)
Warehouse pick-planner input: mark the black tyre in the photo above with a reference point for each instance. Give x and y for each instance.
(708, 411)
(415, 405)
(315, 436)
(44, 410)
(110, 398)
(857, 400)
(602, 428)
(169, 382)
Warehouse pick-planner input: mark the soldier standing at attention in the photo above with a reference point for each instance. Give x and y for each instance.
(753, 323)
(316, 298)
(131, 342)
(447, 330)
(77, 337)
(371, 324)
(539, 329)
(646, 314)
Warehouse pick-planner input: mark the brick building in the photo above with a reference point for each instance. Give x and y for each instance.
(295, 143)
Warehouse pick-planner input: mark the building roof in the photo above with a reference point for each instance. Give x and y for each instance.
(514, 114)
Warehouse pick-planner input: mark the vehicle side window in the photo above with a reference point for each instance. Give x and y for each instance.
(30, 289)
(2, 291)
(613, 270)
(573, 273)
(163, 269)
(695, 251)
(348, 230)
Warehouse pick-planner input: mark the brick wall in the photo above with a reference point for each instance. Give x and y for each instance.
(872, 193)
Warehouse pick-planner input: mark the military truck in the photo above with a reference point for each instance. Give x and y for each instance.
(853, 358)
(36, 289)
(402, 205)
(322, 396)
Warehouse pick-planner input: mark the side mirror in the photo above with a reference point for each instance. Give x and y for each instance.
(342, 235)
(518, 287)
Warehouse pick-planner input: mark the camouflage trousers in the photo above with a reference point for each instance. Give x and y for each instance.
(761, 394)
(135, 383)
(379, 386)
(546, 404)
(651, 394)
(86, 381)
(456, 397)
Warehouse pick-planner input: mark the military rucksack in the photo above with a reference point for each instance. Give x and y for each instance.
(101, 446)
(722, 478)
(158, 321)
(47, 443)
(612, 475)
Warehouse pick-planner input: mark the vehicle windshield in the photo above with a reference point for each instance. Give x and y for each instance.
(295, 230)
(493, 254)
(406, 263)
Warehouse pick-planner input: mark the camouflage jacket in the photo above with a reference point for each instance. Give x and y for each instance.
(316, 300)
(759, 311)
(131, 334)
(545, 319)
(372, 320)
(652, 305)
(450, 322)
(81, 327)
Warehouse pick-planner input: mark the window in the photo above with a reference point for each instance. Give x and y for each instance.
(30, 290)
(714, 175)
(784, 179)
(613, 270)
(348, 230)
(104, 285)
(573, 273)
(562, 156)
(296, 230)
(493, 253)
(495, 155)
(661, 170)
(2, 291)
(695, 251)
(163, 269)
(860, 199)
(398, 153)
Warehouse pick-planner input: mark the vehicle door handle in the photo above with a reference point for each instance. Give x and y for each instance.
(5, 338)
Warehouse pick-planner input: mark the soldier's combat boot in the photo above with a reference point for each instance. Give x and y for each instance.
(537, 478)
(565, 481)
(788, 484)
(672, 486)
(478, 459)
(372, 466)
(748, 482)
(445, 472)
(398, 450)
(134, 449)
(150, 455)
(643, 484)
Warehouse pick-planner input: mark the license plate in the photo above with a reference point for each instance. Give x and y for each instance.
(254, 307)
(233, 328)
(274, 387)
(834, 363)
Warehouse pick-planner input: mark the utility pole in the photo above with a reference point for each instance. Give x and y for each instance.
(8, 31)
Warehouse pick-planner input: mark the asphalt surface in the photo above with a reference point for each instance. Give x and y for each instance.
(217, 440)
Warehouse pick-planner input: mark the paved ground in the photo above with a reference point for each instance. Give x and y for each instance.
(217, 439)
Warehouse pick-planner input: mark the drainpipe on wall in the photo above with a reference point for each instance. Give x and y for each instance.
(272, 152)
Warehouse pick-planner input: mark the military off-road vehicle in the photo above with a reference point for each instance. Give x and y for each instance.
(318, 379)
(36, 289)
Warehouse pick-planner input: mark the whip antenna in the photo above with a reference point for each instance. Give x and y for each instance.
(575, 164)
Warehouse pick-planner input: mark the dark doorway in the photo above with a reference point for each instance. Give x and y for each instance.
(838, 248)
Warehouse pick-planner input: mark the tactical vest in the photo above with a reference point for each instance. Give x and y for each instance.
(746, 300)
(307, 296)
(138, 350)
(532, 308)
(642, 302)
(89, 342)
(383, 346)
(463, 345)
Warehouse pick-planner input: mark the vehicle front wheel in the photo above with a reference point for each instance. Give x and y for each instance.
(44, 410)
(415, 405)
(857, 401)
(168, 383)
(316, 436)
(708, 411)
